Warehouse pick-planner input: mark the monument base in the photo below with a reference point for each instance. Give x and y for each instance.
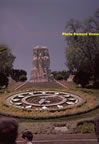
(38, 80)
(40, 76)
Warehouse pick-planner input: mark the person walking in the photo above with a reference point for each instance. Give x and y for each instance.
(27, 136)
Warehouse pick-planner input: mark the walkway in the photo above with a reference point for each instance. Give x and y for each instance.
(63, 139)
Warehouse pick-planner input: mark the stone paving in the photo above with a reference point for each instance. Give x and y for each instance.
(63, 139)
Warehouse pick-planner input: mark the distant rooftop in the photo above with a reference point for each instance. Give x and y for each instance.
(40, 47)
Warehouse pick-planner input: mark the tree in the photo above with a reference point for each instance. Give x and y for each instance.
(82, 78)
(3, 80)
(6, 59)
(2, 48)
(6, 64)
(6, 67)
(18, 75)
(83, 51)
(61, 75)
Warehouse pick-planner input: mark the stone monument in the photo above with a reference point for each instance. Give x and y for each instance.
(41, 64)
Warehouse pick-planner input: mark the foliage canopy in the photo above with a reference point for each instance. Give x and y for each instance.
(82, 53)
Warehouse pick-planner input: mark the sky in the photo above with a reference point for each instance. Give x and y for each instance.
(27, 23)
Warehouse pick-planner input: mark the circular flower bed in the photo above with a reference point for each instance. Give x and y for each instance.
(44, 100)
(45, 104)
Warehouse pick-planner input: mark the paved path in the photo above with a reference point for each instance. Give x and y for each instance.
(64, 86)
(63, 139)
(39, 85)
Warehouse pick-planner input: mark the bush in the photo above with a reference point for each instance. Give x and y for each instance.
(82, 78)
(85, 128)
(59, 77)
(3, 80)
(18, 75)
(22, 78)
(62, 75)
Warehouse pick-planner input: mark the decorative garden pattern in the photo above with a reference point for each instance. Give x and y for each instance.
(44, 100)
(38, 104)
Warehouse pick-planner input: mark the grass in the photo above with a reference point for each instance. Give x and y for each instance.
(76, 117)
(2, 91)
(81, 128)
(91, 92)
(70, 118)
(85, 128)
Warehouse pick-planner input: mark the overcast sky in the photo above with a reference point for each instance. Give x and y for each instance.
(27, 23)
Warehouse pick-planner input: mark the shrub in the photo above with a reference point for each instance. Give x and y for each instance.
(82, 78)
(22, 78)
(85, 128)
(59, 77)
(3, 80)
